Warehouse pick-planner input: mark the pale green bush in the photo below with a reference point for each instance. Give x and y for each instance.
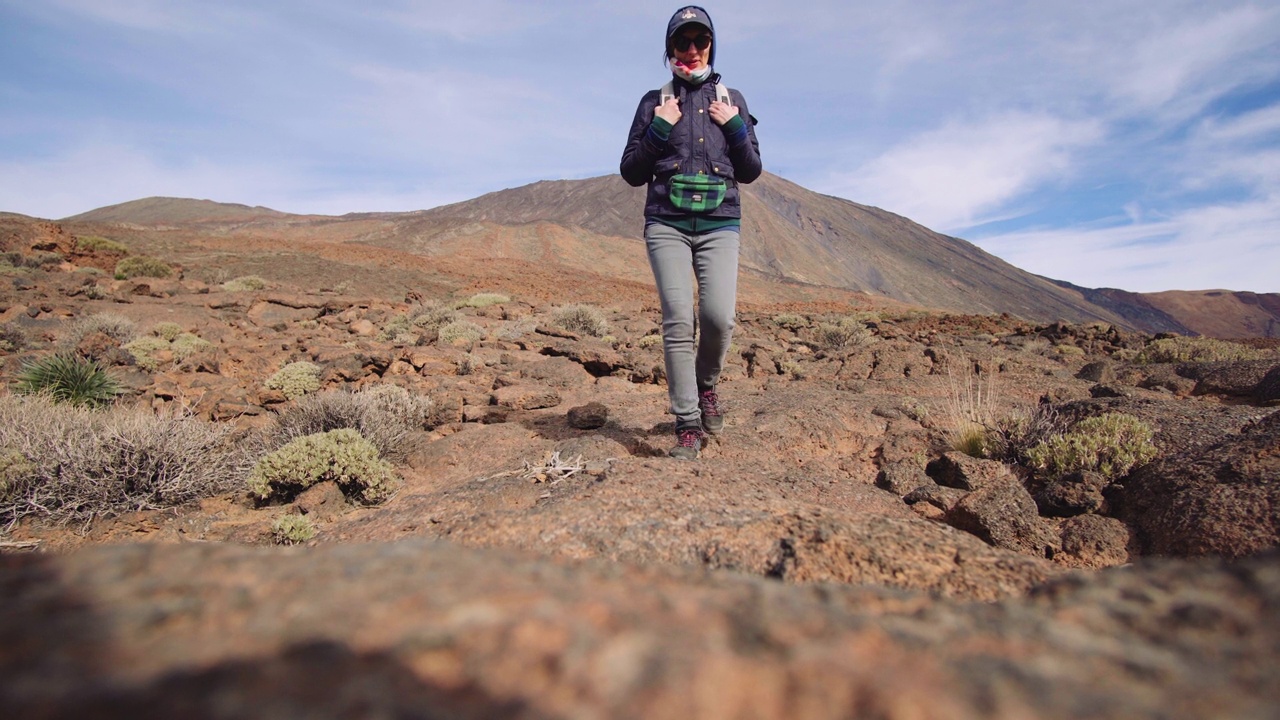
(484, 300)
(1111, 445)
(146, 351)
(167, 330)
(1198, 349)
(245, 283)
(649, 341)
(460, 331)
(187, 344)
(581, 319)
(292, 529)
(141, 266)
(790, 321)
(94, 243)
(342, 456)
(295, 379)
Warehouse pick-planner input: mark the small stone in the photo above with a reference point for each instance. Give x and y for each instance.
(588, 417)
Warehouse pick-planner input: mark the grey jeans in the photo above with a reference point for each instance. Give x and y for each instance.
(713, 259)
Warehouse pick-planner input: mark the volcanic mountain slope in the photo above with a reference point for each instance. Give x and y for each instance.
(792, 235)
(794, 241)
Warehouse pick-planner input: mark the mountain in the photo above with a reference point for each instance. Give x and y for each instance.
(176, 211)
(794, 239)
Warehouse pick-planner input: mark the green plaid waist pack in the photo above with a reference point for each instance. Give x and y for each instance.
(696, 193)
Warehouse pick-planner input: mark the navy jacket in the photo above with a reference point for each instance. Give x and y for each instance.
(696, 144)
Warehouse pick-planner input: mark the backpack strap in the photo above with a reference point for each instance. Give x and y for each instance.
(668, 91)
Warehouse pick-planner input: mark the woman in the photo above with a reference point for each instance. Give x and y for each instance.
(692, 142)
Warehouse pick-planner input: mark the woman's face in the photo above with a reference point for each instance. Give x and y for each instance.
(690, 38)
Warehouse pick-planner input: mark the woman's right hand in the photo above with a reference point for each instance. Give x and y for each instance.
(669, 111)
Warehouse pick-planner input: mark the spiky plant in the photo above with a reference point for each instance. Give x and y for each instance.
(70, 379)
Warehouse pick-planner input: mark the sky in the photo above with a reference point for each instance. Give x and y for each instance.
(1132, 144)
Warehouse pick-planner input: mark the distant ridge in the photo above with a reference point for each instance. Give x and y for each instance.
(176, 211)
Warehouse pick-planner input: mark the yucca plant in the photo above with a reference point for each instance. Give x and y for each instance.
(70, 379)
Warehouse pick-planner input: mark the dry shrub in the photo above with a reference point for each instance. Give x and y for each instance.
(970, 411)
(12, 337)
(845, 333)
(73, 464)
(383, 414)
(117, 327)
(582, 319)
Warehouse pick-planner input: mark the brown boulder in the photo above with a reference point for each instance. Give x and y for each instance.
(1218, 500)
(1003, 514)
(588, 417)
(1236, 379)
(957, 470)
(1093, 541)
(526, 397)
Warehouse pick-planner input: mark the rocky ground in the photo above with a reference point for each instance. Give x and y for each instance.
(830, 555)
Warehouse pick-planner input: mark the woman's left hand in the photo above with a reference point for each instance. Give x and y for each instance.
(722, 113)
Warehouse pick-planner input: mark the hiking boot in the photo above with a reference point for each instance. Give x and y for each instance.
(712, 418)
(688, 443)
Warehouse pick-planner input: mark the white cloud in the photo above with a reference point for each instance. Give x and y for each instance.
(1195, 61)
(1226, 246)
(95, 175)
(961, 174)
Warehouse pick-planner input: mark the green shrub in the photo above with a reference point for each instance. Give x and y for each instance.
(649, 341)
(141, 266)
(460, 331)
(480, 300)
(430, 317)
(790, 321)
(1111, 445)
(245, 283)
(383, 414)
(343, 456)
(1197, 349)
(292, 529)
(69, 463)
(167, 330)
(295, 379)
(146, 351)
(581, 319)
(94, 243)
(68, 379)
(843, 334)
(12, 338)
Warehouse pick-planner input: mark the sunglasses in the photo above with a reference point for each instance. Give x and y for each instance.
(682, 43)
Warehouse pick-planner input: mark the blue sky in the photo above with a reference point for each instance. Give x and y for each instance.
(1131, 144)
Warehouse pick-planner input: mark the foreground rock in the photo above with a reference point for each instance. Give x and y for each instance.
(432, 630)
(1220, 500)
